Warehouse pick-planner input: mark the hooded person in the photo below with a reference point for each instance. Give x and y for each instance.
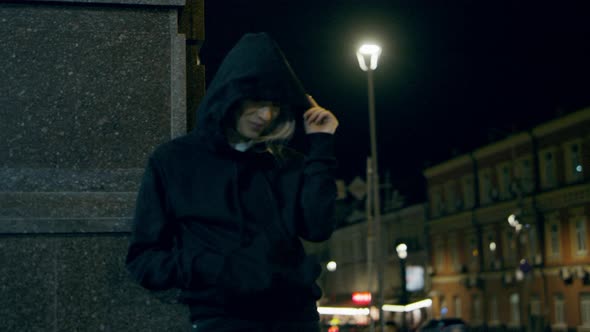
(221, 210)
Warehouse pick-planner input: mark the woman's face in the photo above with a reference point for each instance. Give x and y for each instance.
(254, 117)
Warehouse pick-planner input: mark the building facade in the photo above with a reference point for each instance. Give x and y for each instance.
(508, 228)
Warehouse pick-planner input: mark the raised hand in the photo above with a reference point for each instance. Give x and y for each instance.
(318, 119)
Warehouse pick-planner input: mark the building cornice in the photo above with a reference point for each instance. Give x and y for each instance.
(448, 279)
(571, 195)
(455, 221)
(502, 145)
(447, 166)
(564, 122)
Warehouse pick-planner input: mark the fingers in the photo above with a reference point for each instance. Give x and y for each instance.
(314, 114)
(312, 101)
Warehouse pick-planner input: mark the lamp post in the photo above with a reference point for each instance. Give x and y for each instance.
(402, 253)
(368, 56)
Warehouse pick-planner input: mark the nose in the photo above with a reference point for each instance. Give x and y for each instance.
(265, 113)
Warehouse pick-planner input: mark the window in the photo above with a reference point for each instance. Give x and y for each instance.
(585, 308)
(524, 174)
(438, 207)
(548, 174)
(451, 197)
(581, 246)
(468, 192)
(553, 237)
(357, 244)
(559, 309)
(458, 308)
(515, 309)
(473, 253)
(439, 250)
(443, 306)
(454, 249)
(476, 308)
(494, 309)
(490, 249)
(485, 188)
(510, 247)
(573, 162)
(535, 304)
(533, 253)
(505, 180)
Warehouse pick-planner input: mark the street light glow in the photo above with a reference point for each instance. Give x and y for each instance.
(331, 266)
(493, 246)
(512, 220)
(407, 308)
(371, 51)
(402, 250)
(343, 311)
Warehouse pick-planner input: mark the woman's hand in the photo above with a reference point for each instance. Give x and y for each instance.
(318, 119)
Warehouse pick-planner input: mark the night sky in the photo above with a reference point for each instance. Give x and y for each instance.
(453, 75)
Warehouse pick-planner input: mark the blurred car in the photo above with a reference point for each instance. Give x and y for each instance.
(444, 324)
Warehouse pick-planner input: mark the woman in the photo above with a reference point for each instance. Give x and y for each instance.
(220, 210)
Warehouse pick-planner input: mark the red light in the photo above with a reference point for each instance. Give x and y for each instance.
(333, 329)
(363, 298)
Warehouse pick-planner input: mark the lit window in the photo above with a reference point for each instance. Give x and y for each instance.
(580, 231)
(585, 308)
(559, 309)
(515, 309)
(454, 248)
(494, 309)
(439, 254)
(554, 242)
(458, 308)
(476, 314)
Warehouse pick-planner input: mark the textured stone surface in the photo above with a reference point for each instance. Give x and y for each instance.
(88, 90)
(88, 87)
(78, 283)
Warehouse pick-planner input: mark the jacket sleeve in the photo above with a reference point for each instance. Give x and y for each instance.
(318, 192)
(154, 258)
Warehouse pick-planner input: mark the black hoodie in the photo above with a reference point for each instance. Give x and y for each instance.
(224, 226)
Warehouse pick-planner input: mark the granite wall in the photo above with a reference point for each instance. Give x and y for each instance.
(87, 90)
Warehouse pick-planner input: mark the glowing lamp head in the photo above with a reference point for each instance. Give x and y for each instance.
(368, 56)
(331, 266)
(493, 246)
(402, 250)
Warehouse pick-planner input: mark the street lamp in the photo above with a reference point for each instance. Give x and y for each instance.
(402, 253)
(368, 57)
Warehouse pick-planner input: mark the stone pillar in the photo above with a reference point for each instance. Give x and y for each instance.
(88, 89)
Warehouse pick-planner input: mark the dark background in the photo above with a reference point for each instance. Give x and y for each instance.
(453, 75)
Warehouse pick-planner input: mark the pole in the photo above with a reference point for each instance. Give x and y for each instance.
(370, 234)
(404, 296)
(376, 200)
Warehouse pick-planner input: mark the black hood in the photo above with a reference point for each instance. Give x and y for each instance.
(255, 68)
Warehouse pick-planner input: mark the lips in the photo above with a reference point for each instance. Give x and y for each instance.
(257, 126)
